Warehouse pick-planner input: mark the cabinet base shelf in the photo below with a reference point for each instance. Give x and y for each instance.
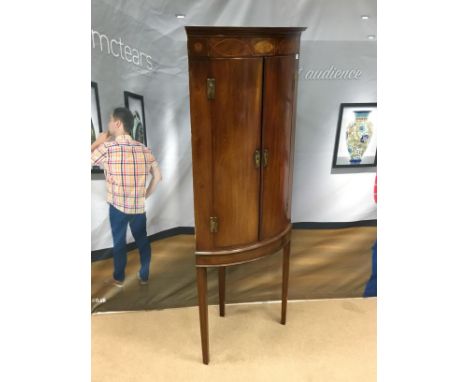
(244, 254)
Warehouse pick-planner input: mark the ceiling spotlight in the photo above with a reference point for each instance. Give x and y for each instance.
(365, 17)
(180, 16)
(371, 37)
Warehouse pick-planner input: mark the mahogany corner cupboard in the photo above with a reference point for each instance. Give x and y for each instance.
(243, 89)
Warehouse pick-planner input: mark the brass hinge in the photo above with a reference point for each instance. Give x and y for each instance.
(213, 224)
(265, 157)
(210, 88)
(257, 158)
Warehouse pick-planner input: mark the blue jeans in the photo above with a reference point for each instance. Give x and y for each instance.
(119, 222)
(371, 287)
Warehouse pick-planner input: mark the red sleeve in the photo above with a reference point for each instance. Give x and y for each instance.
(375, 189)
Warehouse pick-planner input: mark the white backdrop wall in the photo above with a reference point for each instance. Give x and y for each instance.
(335, 37)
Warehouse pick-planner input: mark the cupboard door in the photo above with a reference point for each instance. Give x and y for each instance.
(202, 157)
(278, 105)
(236, 135)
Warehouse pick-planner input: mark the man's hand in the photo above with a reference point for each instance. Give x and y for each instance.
(156, 178)
(100, 140)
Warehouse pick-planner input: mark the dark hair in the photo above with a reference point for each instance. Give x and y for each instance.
(125, 116)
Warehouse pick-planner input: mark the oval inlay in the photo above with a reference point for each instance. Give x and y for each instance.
(230, 47)
(263, 46)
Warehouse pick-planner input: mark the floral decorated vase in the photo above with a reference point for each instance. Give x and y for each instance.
(358, 135)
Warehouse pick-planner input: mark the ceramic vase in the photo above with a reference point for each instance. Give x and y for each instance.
(358, 135)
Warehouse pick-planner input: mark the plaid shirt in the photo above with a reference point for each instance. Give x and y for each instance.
(126, 164)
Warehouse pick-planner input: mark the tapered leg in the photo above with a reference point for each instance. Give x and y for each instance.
(284, 295)
(222, 289)
(203, 310)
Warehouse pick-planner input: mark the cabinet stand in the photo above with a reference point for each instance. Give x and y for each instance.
(202, 289)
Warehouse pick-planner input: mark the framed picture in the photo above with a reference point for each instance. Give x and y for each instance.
(134, 103)
(96, 122)
(356, 136)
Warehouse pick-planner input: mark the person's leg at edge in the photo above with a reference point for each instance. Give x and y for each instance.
(119, 222)
(138, 228)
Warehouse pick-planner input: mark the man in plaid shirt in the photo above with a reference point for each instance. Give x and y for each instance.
(127, 164)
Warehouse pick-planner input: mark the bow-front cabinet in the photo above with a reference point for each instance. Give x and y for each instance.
(243, 89)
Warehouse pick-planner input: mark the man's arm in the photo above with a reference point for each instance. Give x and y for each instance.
(100, 140)
(156, 178)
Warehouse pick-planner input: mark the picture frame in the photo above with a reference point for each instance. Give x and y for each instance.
(96, 121)
(135, 103)
(356, 136)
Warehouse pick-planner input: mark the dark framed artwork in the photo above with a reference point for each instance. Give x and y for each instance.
(135, 104)
(356, 136)
(96, 122)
